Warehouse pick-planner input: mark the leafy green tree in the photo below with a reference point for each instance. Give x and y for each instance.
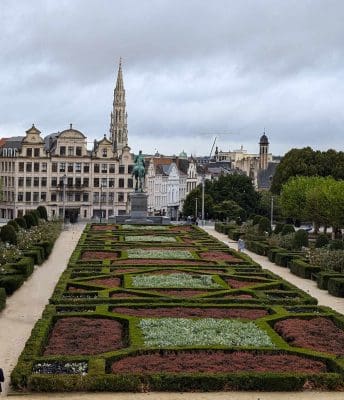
(189, 206)
(228, 210)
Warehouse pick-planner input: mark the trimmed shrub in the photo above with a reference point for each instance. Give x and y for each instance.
(37, 253)
(324, 276)
(300, 239)
(271, 253)
(42, 211)
(14, 224)
(11, 282)
(278, 228)
(2, 298)
(256, 219)
(283, 258)
(30, 220)
(8, 234)
(257, 247)
(321, 240)
(21, 222)
(264, 225)
(287, 228)
(35, 216)
(234, 234)
(301, 268)
(23, 266)
(336, 287)
(337, 244)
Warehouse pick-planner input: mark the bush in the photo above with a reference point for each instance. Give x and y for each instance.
(278, 228)
(300, 239)
(30, 221)
(264, 225)
(35, 216)
(14, 224)
(11, 282)
(21, 222)
(329, 260)
(2, 298)
(337, 244)
(256, 219)
(42, 211)
(24, 266)
(324, 276)
(287, 228)
(8, 234)
(301, 268)
(336, 287)
(321, 240)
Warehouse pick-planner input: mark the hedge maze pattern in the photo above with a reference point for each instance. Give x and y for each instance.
(177, 312)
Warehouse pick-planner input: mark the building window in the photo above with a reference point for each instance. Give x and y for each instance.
(78, 182)
(53, 197)
(86, 182)
(78, 151)
(121, 169)
(104, 182)
(121, 182)
(130, 169)
(111, 182)
(85, 197)
(96, 182)
(36, 197)
(112, 168)
(104, 168)
(85, 213)
(36, 181)
(21, 167)
(103, 197)
(70, 196)
(44, 167)
(104, 153)
(130, 183)
(86, 168)
(77, 167)
(70, 167)
(96, 197)
(21, 181)
(27, 196)
(96, 168)
(77, 196)
(69, 182)
(53, 182)
(62, 167)
(28, 167)
(20, 196)
(29, 152)
(28, 182)
(36, 167)
(120, 196)
(43, 196)
(36, 152)
(62, 150)
(54, 167)
(44, 182)
(71, 151)
(111, 197)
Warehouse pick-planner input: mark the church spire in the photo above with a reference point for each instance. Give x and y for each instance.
(118, 123)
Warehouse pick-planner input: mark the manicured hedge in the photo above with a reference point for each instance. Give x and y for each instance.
(11, 282)
(301, 268)
(2, 298)
(23, 266)
(324, 276)
(336, 287)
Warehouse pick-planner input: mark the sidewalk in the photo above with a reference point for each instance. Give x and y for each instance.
(26, 305)
(324, 298)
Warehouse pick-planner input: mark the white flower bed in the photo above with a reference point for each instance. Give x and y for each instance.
(164, 332)
(146, 227)
(160, 254)
(175, 281)
(150, 238)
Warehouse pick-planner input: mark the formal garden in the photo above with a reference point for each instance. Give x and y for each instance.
(25, 242)
(169, 308)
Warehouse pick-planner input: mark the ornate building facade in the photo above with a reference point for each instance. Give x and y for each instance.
(59, 172)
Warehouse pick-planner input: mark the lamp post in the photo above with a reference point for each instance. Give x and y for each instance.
(64, 181)
(272, 212)
(196, 210)
(203, 184)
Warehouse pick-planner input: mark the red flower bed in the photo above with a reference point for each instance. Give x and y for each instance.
(75, 289)
(76, 335)
(125, 270)
(215, 362)
(237, 296)
(103, 227)
(99, 255)
(180, 293)
(161, 262)
(319, 334)
(184, 312)
(219, 256)
(236, 284)
(109, 282)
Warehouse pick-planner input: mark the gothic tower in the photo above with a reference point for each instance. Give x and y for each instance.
(118, 123)
(263, 152)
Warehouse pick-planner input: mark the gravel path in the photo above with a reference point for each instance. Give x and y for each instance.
(324, 298)
(25, 306)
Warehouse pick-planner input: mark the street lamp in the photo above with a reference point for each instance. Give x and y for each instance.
(196, 210)
(272, 211)
(64, 181)
(203, 184)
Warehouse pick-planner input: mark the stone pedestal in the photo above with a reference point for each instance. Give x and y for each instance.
(139, 209)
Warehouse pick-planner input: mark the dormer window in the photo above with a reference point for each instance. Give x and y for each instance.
(62, 150)
(36, 152)
(104, 152)
(29, 152)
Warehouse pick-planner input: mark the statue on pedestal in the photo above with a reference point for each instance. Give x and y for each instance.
(139, 172)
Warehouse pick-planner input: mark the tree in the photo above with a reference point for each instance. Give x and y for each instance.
(228, 210)
(189, 206)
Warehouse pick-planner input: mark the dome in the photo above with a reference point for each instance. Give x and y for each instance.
(183, 155)
(264, 139)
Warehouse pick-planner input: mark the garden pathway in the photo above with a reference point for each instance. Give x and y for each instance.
(25, 306)
(324, 298)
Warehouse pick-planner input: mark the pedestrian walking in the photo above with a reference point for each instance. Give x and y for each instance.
(2, 378)
(241, 245)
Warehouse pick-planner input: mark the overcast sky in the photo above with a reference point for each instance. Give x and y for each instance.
(193, 70)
